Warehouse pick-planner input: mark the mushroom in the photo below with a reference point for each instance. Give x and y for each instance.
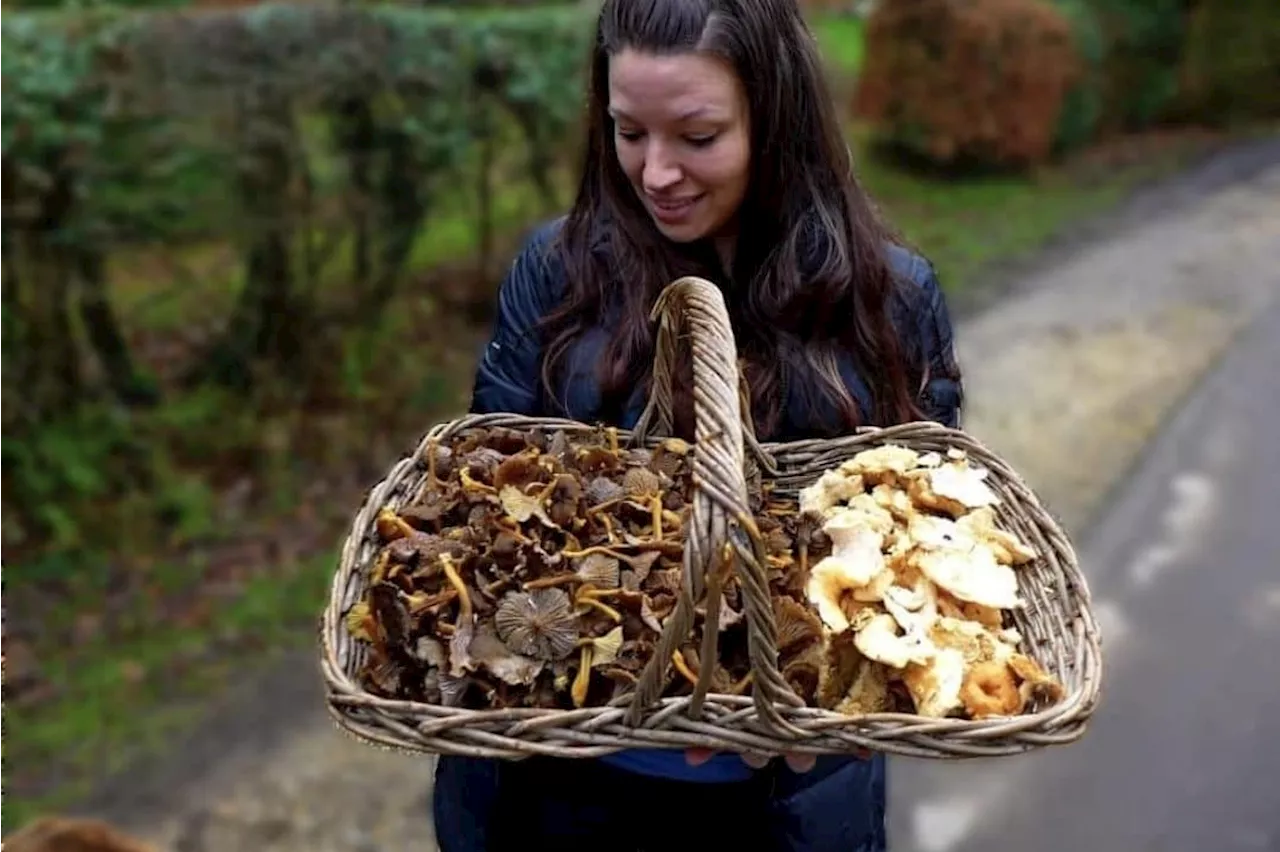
(644, 489)
(538, 624)
(935, 684)
(966, 485)
(597, 651)
(831, 489)
(880, 641)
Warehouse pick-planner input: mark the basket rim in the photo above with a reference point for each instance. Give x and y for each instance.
(1082, 648)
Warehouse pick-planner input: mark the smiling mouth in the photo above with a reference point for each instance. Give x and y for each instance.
(673, 209)
(673, 204)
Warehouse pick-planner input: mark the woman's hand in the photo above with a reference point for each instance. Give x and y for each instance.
(797, 762)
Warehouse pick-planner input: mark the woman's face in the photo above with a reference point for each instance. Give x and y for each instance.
(682, 135)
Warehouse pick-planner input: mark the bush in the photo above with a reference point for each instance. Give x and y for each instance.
(1231, 68)
(1082, 106)
(1142, 49)
(312, 149)
(977, 83)
(319, 141)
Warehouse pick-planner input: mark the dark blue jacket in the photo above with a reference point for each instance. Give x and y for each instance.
(840, 805)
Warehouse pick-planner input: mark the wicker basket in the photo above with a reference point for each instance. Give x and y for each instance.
(1059, 631)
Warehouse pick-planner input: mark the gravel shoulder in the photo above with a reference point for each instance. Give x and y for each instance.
(1070, 372)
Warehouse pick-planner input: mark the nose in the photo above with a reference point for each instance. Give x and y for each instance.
(661, 170)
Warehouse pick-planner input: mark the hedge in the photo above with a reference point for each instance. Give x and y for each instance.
(319, 141)
(1231, 68)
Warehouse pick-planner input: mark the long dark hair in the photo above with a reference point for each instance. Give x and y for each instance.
(810, 276)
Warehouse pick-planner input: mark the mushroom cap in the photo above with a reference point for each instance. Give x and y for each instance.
(538, 624)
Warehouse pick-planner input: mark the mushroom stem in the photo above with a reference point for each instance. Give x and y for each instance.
(608, 528)
(600, 507)
(727, 555)
(464, 475)
(749, 524)
(464, 597)
(613, 439)
(741, 686)
(389, 517)
(546, 490)
(677, 660)
(609, 551)
(583, 679)
(379, 571)
(595, 604)
(432, 481)
(548, 582)
(656, 503)
(595, 594)
(514, 529)
(430, 601)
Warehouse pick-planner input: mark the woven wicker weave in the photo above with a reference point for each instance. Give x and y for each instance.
(1058, 628)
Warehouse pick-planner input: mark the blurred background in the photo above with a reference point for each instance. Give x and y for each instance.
(250, 253)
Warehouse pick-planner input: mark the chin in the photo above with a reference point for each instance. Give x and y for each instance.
(683, 232)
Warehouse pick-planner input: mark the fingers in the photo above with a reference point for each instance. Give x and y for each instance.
(801, 762)
(796, 762)
(697, 756)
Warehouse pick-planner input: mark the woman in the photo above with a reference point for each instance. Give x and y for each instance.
(713, 148)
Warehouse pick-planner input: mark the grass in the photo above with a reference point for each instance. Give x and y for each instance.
(117, 701)
(216, 590)
(840, 40)
(965, 226)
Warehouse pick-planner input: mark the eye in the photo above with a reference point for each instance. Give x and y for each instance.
(629, 135)
(702, 141)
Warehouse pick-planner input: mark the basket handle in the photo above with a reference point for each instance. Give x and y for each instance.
(722, 534)
(658, 417)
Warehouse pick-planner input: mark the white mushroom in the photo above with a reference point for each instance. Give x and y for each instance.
(966, 485)
(981, 525)
(830, 490)
(880, 641)
(889, 458)
(973, 576)
(836, 574)
(935, 685)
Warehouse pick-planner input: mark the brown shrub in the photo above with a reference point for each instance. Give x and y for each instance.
(61, 834)
(959, 82)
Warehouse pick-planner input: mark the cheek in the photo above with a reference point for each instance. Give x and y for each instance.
(631, 161)
(727, 168)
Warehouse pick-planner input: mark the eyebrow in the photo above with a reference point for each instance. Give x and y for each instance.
(697, 112)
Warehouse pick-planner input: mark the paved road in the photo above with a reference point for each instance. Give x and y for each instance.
(1185, 568)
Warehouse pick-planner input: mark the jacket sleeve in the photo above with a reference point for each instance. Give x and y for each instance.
(941, 391)
(508, 375)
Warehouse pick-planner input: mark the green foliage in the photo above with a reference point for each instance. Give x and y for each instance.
(1083, 103)
(1232, 63)
(841, 39)
(1143, 42)
(318, 145)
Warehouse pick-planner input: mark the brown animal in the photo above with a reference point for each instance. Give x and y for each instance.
(61, 834)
